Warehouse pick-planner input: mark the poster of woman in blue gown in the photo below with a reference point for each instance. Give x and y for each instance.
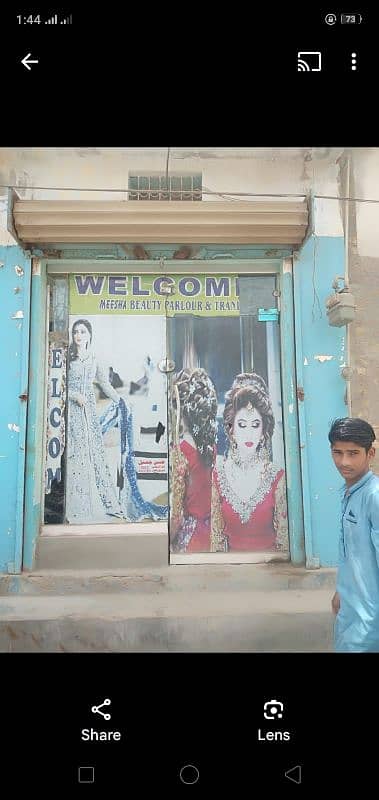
(116, 470)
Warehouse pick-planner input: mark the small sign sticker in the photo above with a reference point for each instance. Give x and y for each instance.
(268, 314)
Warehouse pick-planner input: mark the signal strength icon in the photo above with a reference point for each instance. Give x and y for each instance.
(67, 20)
(52, 21)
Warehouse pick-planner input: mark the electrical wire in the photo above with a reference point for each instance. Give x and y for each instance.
(316, 299)
(168, 158)
(204, 191)
(131, 191)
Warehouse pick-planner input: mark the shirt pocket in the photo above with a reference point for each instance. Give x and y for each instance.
(351, 536)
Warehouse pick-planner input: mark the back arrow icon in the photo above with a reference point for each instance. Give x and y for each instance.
(294, 774)
(25, 61)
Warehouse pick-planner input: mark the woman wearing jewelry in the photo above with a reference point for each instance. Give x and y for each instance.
(192, 459)
(90, 493)
(249, 511)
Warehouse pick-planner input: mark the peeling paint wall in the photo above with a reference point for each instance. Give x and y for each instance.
(321, 355)
(364, 281)
(6, 239)
(276, 170)
(364, 343)
(14, 352)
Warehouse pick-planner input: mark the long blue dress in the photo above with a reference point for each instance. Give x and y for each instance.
(91, 495)
(357, 622)
(134, 507)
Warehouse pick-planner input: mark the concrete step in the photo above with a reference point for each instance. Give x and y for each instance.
(241, 621)
(124, 549)
(195, 578)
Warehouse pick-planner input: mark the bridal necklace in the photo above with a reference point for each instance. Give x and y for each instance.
(244, 506)
(241, 469)
(244, 464)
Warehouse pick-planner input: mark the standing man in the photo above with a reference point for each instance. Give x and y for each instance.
(356, 601)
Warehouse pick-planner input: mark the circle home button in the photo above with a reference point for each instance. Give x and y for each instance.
(189, 774)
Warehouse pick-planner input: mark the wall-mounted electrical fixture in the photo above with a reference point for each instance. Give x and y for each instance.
(340, 306)
(347, 373)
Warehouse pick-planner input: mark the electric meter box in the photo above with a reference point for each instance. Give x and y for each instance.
(340, 308)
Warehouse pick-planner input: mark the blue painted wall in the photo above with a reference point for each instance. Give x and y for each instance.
(290, 420)
(320, 260)
(14, 353)
(35, 446)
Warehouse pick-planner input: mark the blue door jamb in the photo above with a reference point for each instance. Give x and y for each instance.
(290, 417)
(35, 449)
(15, 268)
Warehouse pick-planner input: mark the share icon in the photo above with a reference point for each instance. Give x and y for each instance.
(96, 709)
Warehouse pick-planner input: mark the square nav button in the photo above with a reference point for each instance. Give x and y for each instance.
(86, 774)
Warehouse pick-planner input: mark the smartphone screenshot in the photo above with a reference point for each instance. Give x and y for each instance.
(189, 481)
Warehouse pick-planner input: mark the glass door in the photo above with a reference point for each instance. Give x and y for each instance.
(164, 403)
(106, 458)
(227, 471)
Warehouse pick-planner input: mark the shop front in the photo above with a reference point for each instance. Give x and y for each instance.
(178, 400)
(164, 404)
(163, 413)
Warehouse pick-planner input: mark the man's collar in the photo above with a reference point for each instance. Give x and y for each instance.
(350, 489)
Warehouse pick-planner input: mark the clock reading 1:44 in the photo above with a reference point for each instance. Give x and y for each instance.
(30, 20)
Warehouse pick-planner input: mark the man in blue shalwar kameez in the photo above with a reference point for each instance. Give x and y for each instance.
(356, 601)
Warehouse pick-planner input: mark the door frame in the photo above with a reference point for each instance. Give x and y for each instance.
(34, 506)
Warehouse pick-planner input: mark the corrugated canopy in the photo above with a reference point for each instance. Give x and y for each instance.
(242, 222)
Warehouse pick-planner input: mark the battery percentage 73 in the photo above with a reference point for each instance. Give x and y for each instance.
(351, 19)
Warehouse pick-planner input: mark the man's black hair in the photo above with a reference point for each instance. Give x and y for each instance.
(352, 429)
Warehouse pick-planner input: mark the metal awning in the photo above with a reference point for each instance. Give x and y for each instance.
(276, 221)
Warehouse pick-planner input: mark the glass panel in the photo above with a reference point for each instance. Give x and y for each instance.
(143, 184)
(227, 459)
(58, 320)
(256, 292)
(176, 185)
(154, 187)
(133, 182)
(187, 187)
(117, 460)
(197, 186)
(163, 185)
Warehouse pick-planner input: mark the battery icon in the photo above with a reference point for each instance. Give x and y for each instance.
(351, 19)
